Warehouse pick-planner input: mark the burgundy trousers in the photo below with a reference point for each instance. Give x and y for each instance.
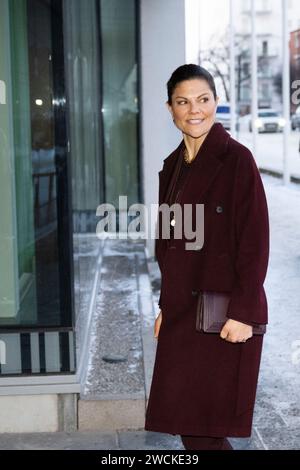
(205, 443)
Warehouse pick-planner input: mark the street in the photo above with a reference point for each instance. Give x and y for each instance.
(269, 153)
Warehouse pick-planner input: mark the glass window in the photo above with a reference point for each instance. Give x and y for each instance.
(120, 100)
(267, 114)
(82, 41)
(40, 167)
(265, 47)
(101, 74)
(69, 80)
(36, 315)
(100, 41)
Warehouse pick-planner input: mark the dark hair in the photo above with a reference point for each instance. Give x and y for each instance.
(188, 72)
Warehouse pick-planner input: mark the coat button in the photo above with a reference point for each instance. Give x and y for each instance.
(219, 209)
(194, 292)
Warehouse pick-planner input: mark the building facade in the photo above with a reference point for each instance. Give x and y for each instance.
(82, 121)
(269, 49)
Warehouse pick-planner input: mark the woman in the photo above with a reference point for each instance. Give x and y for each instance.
(204, 385)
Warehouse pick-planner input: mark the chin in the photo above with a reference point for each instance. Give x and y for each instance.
(196, 133)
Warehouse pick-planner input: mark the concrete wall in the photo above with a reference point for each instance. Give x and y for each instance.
(162, 50)
(38, 413)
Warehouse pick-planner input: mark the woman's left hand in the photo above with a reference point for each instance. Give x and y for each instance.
(236, 332)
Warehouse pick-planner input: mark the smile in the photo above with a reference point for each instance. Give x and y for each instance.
(195, 121)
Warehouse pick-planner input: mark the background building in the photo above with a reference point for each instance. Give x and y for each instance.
(269, 50)
(213, 33)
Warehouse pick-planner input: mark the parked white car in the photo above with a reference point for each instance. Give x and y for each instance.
(295, 119)
(223, 115)
(268, 120)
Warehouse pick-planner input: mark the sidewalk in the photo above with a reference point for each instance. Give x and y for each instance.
(122, 348)
(277, 416)
(84, 440)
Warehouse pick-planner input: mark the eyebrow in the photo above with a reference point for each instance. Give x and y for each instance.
(206, 93)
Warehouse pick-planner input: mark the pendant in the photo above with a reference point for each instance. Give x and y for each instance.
(172, 222)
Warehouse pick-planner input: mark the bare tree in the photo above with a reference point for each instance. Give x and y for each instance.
(217, 61)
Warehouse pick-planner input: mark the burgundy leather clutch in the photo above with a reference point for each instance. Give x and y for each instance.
(211, 313)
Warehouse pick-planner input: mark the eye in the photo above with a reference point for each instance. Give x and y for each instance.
(204, 100)
(181, 102)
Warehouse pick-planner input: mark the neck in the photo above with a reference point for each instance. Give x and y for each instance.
(193, 144)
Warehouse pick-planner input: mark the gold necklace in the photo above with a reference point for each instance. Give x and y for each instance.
(186, 156)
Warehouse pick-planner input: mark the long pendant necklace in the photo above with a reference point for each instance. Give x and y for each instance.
(173, 221)
(185, 156)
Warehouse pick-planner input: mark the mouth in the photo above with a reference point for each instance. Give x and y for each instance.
(195, 121)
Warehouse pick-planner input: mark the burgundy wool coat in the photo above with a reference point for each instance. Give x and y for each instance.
(202, 384)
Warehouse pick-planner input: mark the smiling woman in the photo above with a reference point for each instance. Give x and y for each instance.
(204, 385)
(193, 106)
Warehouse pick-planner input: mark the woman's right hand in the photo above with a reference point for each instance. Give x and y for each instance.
(157, 324)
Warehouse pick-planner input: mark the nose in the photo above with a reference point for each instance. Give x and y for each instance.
(195, 108)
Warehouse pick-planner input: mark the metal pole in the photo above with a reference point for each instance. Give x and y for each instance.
(199, 32)
(232, 74)
(253, 78)
(285, 91)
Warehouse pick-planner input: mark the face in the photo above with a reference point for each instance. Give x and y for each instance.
(193, 107)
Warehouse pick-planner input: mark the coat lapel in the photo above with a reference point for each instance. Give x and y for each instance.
(165, 175)
(205, 167)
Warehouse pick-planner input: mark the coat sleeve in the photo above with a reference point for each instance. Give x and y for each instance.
(160, 251)
(160, 243)
(156, 256)
(248, 302)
